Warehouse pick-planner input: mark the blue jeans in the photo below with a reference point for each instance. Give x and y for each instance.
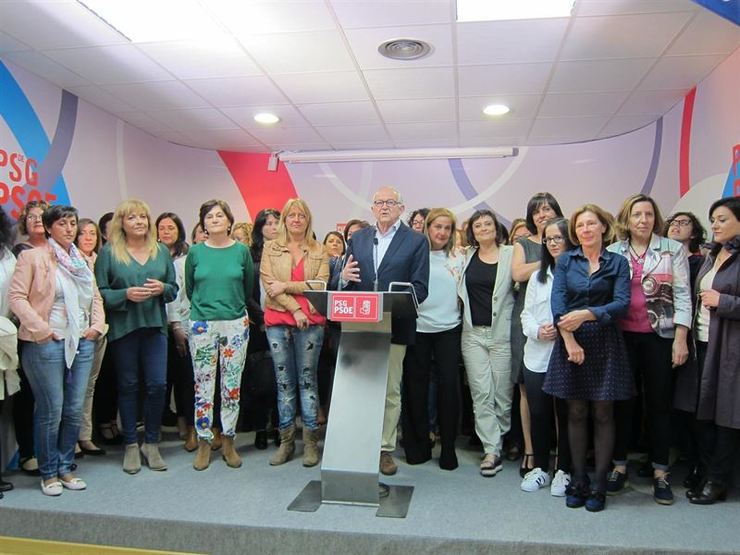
(142, 350)
(295, 355)
(59, 396)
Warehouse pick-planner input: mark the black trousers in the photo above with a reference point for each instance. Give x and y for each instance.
(650, 359)
(542, 408)
(444, 348)
(726, 444)
(180, 378)
(23, 407)
(105, 399)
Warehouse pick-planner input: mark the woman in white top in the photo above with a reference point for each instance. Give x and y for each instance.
(9, 381)
(437, 337)
(540, 331)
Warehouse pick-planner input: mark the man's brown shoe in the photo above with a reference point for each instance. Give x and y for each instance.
(387, 465)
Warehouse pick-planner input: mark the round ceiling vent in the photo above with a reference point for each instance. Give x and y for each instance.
(404, 49)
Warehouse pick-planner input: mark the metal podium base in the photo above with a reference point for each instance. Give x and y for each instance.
(393, 501)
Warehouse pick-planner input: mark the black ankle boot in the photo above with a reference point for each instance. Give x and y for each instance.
(693, 479)
(710, 494)
(4, 486)
(260, 440)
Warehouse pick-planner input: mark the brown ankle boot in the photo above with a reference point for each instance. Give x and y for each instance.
(287, 447)
(203, 456)
(216, 442)
(191, 440)
(229, 453)
(310, 447)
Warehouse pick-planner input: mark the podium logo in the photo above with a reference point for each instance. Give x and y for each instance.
(355, 307)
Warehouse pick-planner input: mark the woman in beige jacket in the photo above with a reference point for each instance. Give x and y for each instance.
(295, 331)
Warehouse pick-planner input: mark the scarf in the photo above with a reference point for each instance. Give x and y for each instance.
(78, 284)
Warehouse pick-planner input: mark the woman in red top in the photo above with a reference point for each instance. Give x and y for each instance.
(294, 329)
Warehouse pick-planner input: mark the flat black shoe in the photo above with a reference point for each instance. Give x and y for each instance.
(5, 486)
(710, 494)
(93, 452)
(30, 472)
(260, 440)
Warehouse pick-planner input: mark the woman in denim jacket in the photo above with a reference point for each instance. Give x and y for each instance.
(655, 330)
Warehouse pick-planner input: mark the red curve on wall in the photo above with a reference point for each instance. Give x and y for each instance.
(684, 179)
(259, 188)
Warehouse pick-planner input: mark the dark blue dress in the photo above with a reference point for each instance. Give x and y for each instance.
(605, 374)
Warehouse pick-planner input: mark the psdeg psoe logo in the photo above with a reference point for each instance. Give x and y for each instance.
(355, 307)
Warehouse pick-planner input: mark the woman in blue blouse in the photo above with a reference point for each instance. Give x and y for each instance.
(591, 289)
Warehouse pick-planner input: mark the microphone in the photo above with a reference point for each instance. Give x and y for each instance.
(376, 263)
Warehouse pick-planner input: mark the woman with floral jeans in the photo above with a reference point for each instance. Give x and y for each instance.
(218, 282)
(294, 329)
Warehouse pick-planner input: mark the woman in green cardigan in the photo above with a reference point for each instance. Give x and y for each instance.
(136, 279)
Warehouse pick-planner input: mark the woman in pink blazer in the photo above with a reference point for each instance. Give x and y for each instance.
(54, 296)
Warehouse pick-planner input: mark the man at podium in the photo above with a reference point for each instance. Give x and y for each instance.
(377, 256)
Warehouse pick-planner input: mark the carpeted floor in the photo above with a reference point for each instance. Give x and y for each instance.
(222, 510)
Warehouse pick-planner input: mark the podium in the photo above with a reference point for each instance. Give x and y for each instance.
(349, 465)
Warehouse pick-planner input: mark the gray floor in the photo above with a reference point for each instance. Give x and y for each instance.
(244, 510)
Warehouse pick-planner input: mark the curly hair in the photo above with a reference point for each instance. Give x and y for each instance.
(31, 204)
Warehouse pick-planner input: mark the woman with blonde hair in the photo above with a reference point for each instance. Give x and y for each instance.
(295, 330)
(136, 278)
(242, 232)
(438, 329)
(655, 330)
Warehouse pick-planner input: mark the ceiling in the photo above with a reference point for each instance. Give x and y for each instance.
(614, 66)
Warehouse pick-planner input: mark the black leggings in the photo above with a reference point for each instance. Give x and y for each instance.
(650, 358)
(542, 407)
(603, 417)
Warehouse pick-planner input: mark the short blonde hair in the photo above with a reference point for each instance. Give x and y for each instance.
(604, 217)
(246, 228)
(117, 236)
(300, 204)
(435, 213)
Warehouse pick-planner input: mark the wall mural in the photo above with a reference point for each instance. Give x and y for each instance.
(56, 147)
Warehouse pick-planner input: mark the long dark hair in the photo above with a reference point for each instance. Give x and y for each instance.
(258, 241)
(538, 200)
(7, 235)
(547, 262)
(181, 246)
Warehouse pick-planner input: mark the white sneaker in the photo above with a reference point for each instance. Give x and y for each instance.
(560, 483)
(535, 479)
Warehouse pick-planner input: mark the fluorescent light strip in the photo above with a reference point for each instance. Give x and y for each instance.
(396, 154)
(500, 10)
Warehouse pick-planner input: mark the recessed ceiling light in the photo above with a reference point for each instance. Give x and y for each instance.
(266, 119)
(404, 49)
(496, 110)
(497, 10)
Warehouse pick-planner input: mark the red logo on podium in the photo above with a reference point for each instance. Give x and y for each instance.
(355, 307)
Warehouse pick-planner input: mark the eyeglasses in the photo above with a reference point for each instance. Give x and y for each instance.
(389, 203)
(34, 218)
(554, 240)
(681, 223)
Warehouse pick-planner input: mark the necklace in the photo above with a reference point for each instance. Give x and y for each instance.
(639, 257)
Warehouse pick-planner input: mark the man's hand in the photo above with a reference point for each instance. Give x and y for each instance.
(351, 271)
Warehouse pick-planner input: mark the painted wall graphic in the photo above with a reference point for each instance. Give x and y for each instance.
(57, 147)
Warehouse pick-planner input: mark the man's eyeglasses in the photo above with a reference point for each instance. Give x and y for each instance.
(681, 223)
(554, 240)
(389, 203)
